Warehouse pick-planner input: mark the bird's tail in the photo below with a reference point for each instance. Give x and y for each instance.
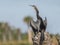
(42, 37)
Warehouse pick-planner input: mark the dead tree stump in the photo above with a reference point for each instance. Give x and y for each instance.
(36, 39)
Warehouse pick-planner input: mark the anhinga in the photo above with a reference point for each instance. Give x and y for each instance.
(39, 26)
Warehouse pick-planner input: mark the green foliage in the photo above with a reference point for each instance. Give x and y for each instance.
(24, 36)
(2, 30)
(1, 37)
(27, 19)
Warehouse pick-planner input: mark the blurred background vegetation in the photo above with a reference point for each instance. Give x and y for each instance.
(14, 36)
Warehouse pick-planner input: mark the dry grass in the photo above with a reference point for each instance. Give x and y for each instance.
(14, 43)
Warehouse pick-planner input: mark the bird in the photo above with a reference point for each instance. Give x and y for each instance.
(39, 25)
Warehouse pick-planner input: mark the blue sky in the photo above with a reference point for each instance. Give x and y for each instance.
(13, 12)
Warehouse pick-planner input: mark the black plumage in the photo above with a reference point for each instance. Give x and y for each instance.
(39, 26)
(42, 24)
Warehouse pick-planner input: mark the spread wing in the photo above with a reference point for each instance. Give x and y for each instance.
(33, 26)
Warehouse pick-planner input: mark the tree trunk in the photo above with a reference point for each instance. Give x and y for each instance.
(19, 37)
(4, 37)
(29, 35)
(10, 36)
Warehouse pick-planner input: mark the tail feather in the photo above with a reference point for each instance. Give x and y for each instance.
(42, 38)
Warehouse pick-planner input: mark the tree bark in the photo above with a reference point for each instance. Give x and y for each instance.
(29, 35)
